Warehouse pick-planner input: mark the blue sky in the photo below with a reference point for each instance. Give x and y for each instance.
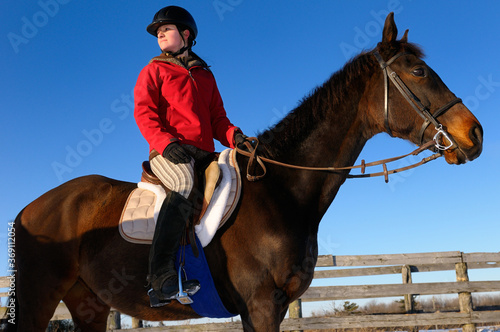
(69, 67)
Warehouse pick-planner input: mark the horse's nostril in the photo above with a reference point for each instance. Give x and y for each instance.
(476, 134)
(476, 137)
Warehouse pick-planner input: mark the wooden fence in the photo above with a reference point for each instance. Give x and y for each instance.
(370, 265)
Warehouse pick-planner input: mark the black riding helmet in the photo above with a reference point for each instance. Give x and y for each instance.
(173, 15)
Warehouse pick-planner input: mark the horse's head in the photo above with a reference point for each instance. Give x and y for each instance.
(412, 102)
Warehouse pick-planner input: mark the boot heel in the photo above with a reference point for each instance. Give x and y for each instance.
(155, 301)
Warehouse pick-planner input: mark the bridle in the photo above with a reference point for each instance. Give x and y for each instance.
(250, 149)
(421, 110)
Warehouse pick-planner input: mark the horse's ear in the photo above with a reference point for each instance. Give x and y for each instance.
(404, 39)
(390, 30)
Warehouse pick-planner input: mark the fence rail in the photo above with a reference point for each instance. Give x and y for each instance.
(405, 265)
(329, 266)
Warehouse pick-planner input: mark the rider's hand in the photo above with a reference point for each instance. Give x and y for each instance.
(240, 138)
(175, 153)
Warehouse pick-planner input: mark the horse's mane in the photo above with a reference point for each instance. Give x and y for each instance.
(335, 94)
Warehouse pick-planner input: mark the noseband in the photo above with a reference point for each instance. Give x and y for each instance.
(423, 111)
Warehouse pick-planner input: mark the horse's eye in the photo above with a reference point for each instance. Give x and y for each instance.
(419, 72)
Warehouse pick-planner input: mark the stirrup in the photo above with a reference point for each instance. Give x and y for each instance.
(186, 289)
(182, 296)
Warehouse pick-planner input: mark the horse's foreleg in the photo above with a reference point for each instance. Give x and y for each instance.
(260, 322)
(262, 315)
(88, 312)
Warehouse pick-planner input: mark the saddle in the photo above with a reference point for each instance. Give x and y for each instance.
(215, 196)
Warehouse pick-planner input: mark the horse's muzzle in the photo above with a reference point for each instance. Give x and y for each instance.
(467, 151)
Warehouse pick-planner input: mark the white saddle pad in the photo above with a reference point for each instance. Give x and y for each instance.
(138, 220)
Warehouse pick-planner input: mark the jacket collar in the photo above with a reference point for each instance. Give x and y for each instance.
(185, 62)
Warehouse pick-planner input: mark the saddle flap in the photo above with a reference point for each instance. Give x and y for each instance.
(212, 180)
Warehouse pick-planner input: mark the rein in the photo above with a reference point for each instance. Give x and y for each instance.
(254, 158)
(423, 111)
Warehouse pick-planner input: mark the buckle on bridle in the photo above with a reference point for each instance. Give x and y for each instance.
(442, 133)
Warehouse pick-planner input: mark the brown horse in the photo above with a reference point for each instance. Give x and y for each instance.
(68, 246)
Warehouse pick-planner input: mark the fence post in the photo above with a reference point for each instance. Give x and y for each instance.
(114, 321)
(406, 272)
(295, 310)
(136, 322)
(464, 298)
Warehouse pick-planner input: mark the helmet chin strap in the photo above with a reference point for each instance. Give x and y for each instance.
(179, 52)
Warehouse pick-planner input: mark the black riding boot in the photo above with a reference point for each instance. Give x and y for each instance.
(170, 226)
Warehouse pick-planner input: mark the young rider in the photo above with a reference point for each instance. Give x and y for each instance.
(179, 112)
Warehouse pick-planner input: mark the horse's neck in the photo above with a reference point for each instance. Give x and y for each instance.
(333, 145)
(320, 133)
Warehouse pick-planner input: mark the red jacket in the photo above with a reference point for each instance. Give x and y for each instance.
(173, 103)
